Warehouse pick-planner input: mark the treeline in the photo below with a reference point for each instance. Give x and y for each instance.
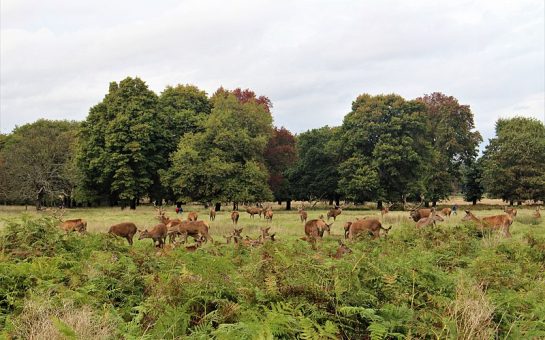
(184, 146)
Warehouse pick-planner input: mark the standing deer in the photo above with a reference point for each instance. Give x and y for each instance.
(253, 211)
(125, 230)
(192, 216)
(77, 224)
(500, 222)
(386, 209)
(234, 217)
(334, 212)
(446, 212)
(268, 214)
(510, 211)
(212, 214)
(366, 226)
(157, 234)
(302, 214)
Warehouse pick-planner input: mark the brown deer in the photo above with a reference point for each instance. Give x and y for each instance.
(496, 222)
(268, 214)
(446, 212)
(194, 247)
(315, 228)
(302, 214)
(341, 250)
(536, 213)
(236, 235)
(125, 230)
(254, 211)
(510, 211)
(234, 217)
(334, 212)
(157, 234)
(212, 214)
(195, 229)
(386, 209)
(426, 221)
(192, 216)
(265, 234)
(366, 226)
(78, 225)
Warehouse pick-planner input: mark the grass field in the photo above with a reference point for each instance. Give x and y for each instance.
(445, 282)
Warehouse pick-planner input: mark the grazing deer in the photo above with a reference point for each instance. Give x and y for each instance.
(192, 216)
(212, 214)
(386, 209)
(302, 214)
(234, 217)
(446, 212)
(125, 230)
(157, 234)
(426, 221)
(510, 211)
(195, 229)
(536, 213)
(334, 212)
(341, 250)
(254, 211)
(366, 226)
(502, 222)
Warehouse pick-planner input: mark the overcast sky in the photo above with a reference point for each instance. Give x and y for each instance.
(311, 58)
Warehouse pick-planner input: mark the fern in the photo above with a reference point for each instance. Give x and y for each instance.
(64, 329)
(377, 331)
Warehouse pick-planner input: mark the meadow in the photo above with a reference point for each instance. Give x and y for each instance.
(447, 282)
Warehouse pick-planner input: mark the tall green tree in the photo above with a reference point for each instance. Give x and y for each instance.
(472, 186)
(225, 161)
(514, 161)
(315, 175)
(450, 128)
(35, 160)
(280, 155)
(120, 144)
(384, 139)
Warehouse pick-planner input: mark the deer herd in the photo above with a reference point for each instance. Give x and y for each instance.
(314, 229)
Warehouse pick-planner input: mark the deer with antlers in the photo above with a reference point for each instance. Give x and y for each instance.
(77, 224)
(334, 212)
(426, 221)
(385, 209)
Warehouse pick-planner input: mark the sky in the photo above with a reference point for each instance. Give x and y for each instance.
(311, 58)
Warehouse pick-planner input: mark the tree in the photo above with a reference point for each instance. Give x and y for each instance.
(35, 158)
(450, 131)
(386, 135)
(514, 161)
(472, 186)
(120, 144)
(315, 176)
(280, 155)
(182, 109)
(224, 162)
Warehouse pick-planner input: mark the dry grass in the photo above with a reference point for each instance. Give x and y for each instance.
(472, 312)
(39, 320)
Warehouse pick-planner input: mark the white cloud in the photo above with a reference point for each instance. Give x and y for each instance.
(312, 58)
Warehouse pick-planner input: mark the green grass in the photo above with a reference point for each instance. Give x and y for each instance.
(445, 282)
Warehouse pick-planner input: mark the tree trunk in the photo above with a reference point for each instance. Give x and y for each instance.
(218, 206)
(519, 203)
(279, 202)
(133, 204)
(474, 201)
(330, 202)
(379, 204)
(427, 204)
(434, 203)
(235, 205)
(337, 201)
(288, 205)
(511, 202)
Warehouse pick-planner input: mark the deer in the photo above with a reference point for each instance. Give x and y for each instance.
(77, 224)
(426, 221)
(265, 234)
(314, 229)
(370, 226)
(194, 247)
(195, 229)
(234, 217)
(126, 230)
(536, 213)
(446, 212)
(334, 212)
(192, 216)
(302, 214)
(161, 216)
(510, 211)
(157, 234)
(386, 209)
(268, 214)
(254, 211)
(341, 250)
(502, 222)
(212, 214)
(236, 235)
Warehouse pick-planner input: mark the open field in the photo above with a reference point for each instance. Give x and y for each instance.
(445, 282)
